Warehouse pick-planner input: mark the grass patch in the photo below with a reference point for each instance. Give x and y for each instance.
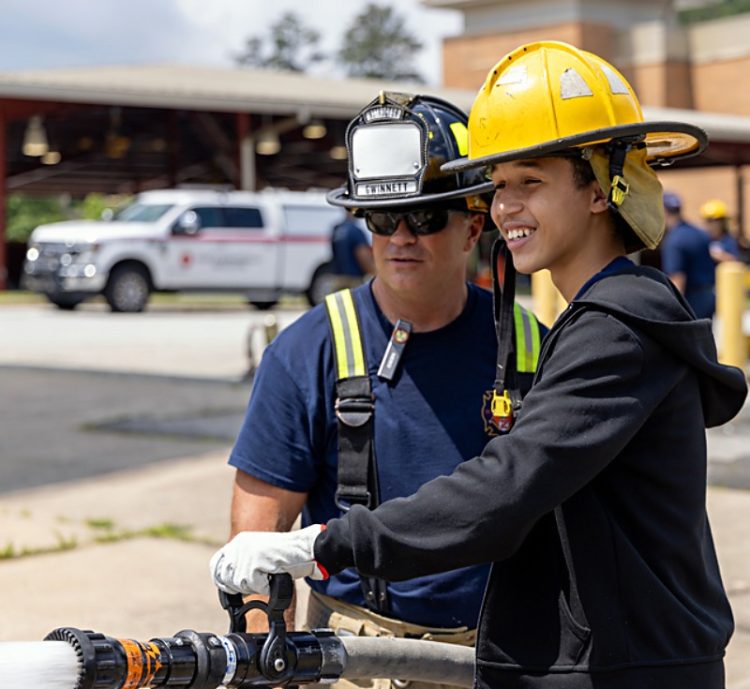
(167, 530)
(10, 552)
(10, 297)
(106, 531)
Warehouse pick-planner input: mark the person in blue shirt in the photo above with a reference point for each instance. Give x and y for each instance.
(351, 252)
(430, 355)
(686, 259)
(723, 247)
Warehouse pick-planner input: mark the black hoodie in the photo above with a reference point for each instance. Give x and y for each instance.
(592, 509)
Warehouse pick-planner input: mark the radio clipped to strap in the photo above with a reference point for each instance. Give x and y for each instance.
(395, 350)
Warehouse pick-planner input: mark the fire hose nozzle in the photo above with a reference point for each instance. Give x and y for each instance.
(238, 660)
(198, 660)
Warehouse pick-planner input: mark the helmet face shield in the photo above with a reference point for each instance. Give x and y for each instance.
(396, 147)
(387, 159)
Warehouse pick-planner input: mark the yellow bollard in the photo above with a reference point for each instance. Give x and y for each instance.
(730, 308)
(548, 302)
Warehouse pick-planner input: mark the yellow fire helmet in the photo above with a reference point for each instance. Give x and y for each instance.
(549, 97)
(714, 210)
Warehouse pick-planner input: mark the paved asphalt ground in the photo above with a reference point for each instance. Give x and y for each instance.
(114, 488)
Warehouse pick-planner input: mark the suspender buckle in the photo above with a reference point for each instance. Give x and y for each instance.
(354, 412)
(345, 498)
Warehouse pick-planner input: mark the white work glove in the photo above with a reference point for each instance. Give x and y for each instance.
(243, 564)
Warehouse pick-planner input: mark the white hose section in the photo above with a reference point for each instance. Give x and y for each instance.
(408, 659)
(38, 664)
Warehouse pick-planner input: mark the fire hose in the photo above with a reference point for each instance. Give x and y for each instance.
(240, 660)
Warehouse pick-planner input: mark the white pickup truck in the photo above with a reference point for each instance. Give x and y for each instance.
(263, 244)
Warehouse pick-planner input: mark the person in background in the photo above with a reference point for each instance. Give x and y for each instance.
(352, 258)
(723, 246)
(686, 259)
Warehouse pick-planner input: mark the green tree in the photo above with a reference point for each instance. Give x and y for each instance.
(290, 46)
(715, 10)
(24, 213)
(377, 45)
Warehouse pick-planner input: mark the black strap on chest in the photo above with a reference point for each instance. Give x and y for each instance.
(357, 482)
(506, 393)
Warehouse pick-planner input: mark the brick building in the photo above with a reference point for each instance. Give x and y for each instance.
(699, 66)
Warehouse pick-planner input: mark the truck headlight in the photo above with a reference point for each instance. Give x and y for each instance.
(32, 253)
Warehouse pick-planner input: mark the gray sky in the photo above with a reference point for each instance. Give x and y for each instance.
(42, 34)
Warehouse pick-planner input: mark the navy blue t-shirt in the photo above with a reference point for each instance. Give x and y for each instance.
(346, 237)
(615, 265)
(729, 244)
(429, 420)
(685, 249)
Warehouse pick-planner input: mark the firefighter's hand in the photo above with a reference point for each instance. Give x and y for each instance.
(243, 564)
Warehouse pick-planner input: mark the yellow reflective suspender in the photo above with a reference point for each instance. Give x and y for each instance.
(356, 481)
(347, 341)
(527, 339)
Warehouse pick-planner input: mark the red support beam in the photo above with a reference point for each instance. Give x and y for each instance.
(173, 148)
(3, 218)
(242, 129)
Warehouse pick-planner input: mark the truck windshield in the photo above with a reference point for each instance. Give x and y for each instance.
(141, 212)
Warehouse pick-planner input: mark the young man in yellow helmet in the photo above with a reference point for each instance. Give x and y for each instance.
(592, 508)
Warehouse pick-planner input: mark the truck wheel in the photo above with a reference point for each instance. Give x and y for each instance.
(128, 289)
(323, 283)
(64, 302)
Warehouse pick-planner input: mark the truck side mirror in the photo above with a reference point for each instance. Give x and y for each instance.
(188, 223)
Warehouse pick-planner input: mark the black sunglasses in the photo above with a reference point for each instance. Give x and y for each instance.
(420, 222)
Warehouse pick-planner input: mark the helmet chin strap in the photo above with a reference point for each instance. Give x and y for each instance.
(618, 151)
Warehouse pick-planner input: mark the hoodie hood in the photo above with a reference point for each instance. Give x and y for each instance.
(647, 300)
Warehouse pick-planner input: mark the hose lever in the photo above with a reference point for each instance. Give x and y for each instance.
(235, 606)
(273, 659)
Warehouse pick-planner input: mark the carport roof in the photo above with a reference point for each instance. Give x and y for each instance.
(192, 109)
(212, 89)
(232, 89)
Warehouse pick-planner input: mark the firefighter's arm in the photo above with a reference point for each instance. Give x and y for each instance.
(259, 506)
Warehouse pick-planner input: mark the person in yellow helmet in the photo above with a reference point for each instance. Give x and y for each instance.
(592, 508)
(723, 246)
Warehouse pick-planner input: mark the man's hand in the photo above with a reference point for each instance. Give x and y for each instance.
(243, 564)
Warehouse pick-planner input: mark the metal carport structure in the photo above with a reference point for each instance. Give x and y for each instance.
(124, 129)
